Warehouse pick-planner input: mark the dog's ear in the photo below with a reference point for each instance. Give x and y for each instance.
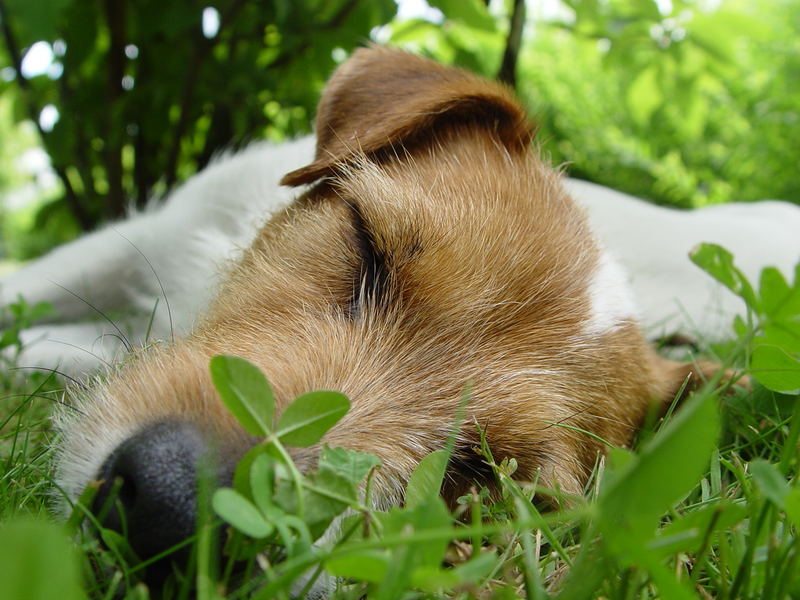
(380, 97)
(677, 379)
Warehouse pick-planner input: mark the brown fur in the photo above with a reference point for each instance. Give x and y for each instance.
(436, 249)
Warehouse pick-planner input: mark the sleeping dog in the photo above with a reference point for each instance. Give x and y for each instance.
(425, 244)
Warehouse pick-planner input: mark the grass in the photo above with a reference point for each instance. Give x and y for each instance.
(706, 505)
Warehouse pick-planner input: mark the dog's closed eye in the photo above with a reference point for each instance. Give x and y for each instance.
(372, 279)
(383, 257)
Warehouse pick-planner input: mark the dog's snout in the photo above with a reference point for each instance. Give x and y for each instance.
(154, 475)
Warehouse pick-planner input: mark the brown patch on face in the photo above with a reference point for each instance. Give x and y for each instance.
(438, 250)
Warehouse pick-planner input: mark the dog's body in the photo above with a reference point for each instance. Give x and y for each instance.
(434, 249)
(119, 271)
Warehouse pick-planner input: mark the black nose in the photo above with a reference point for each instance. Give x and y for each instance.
(156, 474)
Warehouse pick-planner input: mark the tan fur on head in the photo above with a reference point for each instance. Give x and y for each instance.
(437, 249)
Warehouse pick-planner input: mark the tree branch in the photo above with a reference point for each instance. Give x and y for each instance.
(75, 206)
(335, 22)
(115, 15)
(202, 49)
(79, 152)
(143, 175)
(508, 68)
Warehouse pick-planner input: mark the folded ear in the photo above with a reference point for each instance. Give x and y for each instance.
(380, 97)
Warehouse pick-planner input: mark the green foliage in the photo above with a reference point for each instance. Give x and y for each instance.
(19, 315)
(426, 480)
(16, 317)
(686, 103)
(643, 488)
(241, 513)
(272, 500)
(146, 97)
(775, 352)
(245, 392)
(37, 559)
(683, 102)
(309, 417)
(38, 562)
(675, 106)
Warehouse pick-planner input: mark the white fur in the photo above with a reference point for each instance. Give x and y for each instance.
(611, 298)
(207, 221)
(187, 239)
(653, 244)
(87, 449)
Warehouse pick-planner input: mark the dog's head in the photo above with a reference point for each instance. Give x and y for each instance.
(435, 248)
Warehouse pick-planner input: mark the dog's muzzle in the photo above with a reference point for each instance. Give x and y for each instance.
(155, 476)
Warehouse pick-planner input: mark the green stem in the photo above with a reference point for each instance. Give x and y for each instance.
(787, 575)
(530, 563)
(743, 573)
(293, 566)
(790, 446)
(704, 547)
(297, 477)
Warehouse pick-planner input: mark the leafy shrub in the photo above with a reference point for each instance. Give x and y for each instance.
(685, 103)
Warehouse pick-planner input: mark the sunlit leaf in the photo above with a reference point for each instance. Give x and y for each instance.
(38, 562)
(426, 480)
(775, 369)
(240, 512)
(718, 262)
(644, 95)
(469, 12)
(779, 299)
(245, 392)
(310, 416)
